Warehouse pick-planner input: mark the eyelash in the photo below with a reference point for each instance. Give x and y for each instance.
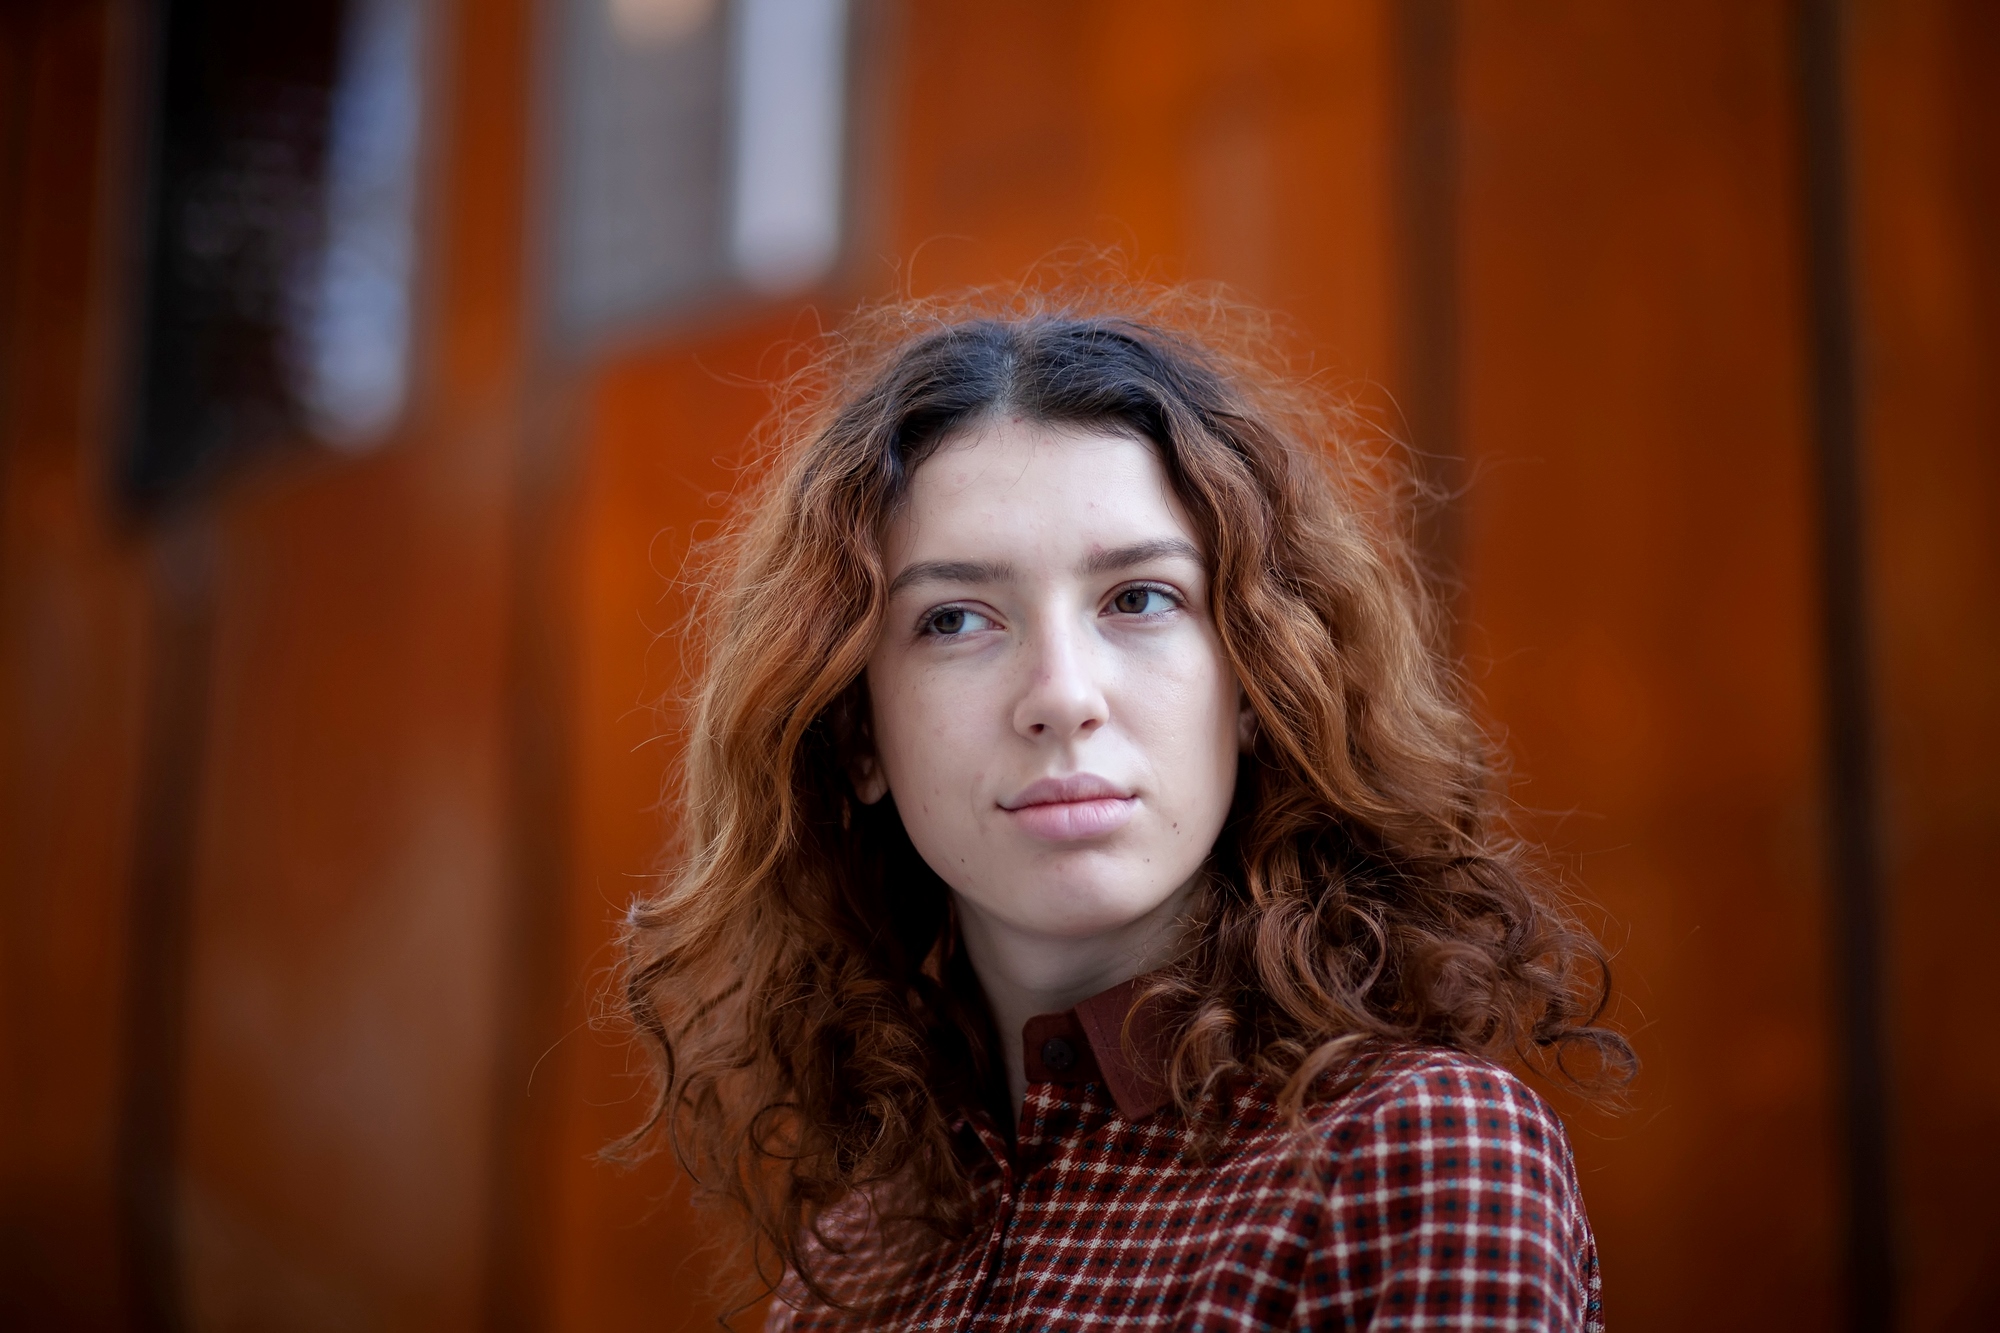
(926, 627)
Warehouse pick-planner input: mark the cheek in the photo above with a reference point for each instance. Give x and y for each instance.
(1187, 719)
(917, 724)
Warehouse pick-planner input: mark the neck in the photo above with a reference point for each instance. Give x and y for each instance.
(1024, 973)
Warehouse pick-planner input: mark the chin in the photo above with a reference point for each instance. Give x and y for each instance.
(1079, 910)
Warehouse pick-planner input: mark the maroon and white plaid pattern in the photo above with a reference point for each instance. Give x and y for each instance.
(1436, 1194)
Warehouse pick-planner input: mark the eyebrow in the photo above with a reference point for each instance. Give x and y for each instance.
(1139, 553)
(989, 571)
(952, 571)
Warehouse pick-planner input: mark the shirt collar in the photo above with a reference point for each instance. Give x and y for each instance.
(1088, 1044)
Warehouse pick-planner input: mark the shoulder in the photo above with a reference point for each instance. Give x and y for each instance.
(1448, 1182)
(1439, 1077)
(1430, 1090)
(1446, 1117)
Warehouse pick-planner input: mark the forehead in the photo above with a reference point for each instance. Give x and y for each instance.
(1007, 481)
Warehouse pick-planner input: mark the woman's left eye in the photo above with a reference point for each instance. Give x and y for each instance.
(951, 622)
(1142, 600)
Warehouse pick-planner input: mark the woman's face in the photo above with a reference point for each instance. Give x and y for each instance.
(1051, 706)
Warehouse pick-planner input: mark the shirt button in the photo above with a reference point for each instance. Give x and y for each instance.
(1059, 1055)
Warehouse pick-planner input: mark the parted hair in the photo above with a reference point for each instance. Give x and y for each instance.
(797, 975)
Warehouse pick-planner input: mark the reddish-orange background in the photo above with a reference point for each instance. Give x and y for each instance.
(428, 768)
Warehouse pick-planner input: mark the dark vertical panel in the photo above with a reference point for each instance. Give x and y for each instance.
(17, 36)
(1426, 44)
(1852, 849)
(1924, 130)
(72, 656)
(160, 917)
(541, 642)
(520, 1239)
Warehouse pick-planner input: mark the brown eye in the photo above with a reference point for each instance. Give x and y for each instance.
(952, 622)
(1139, 601)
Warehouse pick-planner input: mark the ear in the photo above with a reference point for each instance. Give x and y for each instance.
(870, 783)
(1246, 722)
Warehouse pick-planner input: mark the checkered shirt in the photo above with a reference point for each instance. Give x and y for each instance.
(1437, 1193)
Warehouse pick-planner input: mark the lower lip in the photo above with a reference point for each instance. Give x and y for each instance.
(1066, 821)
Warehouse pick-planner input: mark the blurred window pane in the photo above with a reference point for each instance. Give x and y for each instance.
(353, 318)
(791, 58)
(282, 231)
(640, 157)
(698, 150)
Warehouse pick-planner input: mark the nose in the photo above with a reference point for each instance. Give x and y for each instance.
(1063, 698)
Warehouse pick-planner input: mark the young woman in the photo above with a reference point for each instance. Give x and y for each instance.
(1092, 910)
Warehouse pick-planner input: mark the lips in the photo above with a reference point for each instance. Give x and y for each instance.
(1066, 809)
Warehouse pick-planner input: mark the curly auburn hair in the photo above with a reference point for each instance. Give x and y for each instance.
(798, 974)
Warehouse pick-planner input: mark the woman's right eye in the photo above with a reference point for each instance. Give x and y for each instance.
(951, 621)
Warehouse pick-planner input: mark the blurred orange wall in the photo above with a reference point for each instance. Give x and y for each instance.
(328, 1093)
(431, 763)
